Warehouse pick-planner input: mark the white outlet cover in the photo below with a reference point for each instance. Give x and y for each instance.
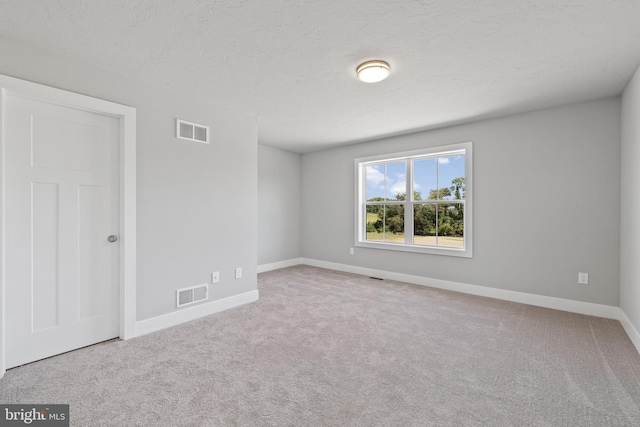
(583, 278)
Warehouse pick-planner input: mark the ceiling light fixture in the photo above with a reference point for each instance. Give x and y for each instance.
(373, 71)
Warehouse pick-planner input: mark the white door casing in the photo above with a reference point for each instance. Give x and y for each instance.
(54, 255)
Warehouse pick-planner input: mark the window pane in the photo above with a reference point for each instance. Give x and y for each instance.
(451, 225)
(396, 175)
(385, 223)
(446, 228)
(375, 216)
(374, 176)
(386, 182)
(451, 177)
(425, 179)
(424, 225)
(394, 223)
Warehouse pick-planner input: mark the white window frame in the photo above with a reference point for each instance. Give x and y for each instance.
(466, 251)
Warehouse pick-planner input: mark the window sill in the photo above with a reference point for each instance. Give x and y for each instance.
(432, 250)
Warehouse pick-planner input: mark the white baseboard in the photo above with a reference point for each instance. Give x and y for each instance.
(599, 310)
(277, 265)
(630, 330)
(192, 313)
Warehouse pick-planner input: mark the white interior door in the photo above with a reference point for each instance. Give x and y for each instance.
(62, 204)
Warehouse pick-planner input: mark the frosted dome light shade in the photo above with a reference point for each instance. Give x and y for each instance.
(373, 71)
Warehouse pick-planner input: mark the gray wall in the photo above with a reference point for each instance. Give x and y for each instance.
(196, 203)
(630, 205)
(546, 203)
(279, 205)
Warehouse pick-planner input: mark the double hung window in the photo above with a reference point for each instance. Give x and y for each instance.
(417, 201)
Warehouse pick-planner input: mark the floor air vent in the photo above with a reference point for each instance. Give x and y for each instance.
(192, 295)
(192, 131)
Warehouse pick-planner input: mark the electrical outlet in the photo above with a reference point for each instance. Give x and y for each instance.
(583, 278)
(238, 273)
(215, 277)
(351, 252)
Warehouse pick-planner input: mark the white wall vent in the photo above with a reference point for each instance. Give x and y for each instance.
(192, 131)
(191, 295)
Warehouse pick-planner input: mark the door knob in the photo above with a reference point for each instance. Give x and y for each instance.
(112, 238)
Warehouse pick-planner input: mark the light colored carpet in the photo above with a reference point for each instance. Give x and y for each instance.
(324, 348)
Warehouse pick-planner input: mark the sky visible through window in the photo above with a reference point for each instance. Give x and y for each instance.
(430, 175)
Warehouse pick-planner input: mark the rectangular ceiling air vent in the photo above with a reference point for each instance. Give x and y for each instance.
(192, 131)
(191, 295)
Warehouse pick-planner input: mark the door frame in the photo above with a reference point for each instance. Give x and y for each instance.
(126, 117)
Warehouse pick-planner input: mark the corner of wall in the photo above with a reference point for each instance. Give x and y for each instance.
(630, 329)
(630, 210)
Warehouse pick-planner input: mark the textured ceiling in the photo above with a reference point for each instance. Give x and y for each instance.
(292, 62)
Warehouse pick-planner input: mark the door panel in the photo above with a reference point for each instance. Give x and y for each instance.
(61, 205)
(54, 138)
(44, 283)
(89, 217)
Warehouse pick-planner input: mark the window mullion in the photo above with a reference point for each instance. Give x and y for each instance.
(437, 198)
(384, 207)
(408, 207)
